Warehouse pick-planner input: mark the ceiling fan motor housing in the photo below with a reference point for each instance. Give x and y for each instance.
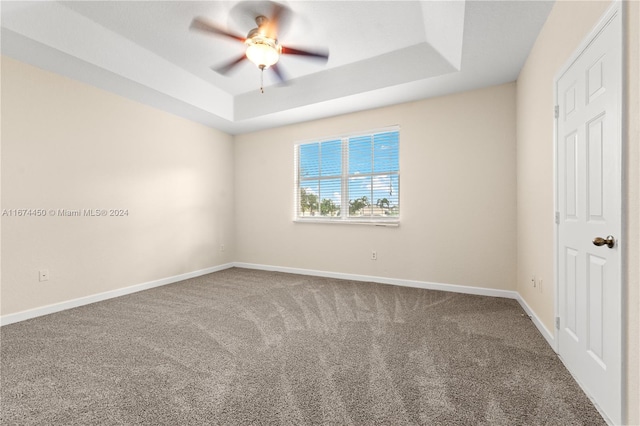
(261, 49)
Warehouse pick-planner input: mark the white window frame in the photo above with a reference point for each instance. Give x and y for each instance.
(344, 204)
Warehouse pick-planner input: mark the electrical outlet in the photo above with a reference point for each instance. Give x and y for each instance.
(221, 247)
(374, 255)
(44, 275)
(540, 285)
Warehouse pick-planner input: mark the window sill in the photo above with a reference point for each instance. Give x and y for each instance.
(386, 223)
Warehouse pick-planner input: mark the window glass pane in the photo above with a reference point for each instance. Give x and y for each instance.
(385, 195)
(331, 158)
(330, 196)
(309, 201)
(360, 196)
(385, 152)
(360, 155)
(309, 160)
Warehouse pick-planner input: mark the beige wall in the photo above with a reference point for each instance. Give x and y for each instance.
(567, 25)
(457, 189)
(67, 145)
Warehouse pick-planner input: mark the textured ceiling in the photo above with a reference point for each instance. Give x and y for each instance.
(381, 53)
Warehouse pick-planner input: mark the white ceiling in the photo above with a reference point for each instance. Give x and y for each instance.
(381, 53)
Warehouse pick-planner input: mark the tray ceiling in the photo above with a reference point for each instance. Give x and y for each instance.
(381, 53)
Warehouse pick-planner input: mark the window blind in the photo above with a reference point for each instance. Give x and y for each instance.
(351, 178)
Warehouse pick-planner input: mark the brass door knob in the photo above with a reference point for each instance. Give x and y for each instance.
(609, 241)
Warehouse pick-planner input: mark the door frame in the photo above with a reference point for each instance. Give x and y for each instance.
(618, 7)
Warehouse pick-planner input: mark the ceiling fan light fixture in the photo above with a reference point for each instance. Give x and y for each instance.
(263, 52)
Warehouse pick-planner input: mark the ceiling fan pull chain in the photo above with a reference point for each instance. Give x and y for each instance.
(262, 80)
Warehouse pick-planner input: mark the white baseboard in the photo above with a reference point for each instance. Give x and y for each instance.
(455, 288)
(81, 301)
(548, 335)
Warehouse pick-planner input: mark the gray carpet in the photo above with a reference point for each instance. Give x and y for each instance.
(252, 347)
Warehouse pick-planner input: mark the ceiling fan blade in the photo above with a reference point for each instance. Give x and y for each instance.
(202, 25)
(317, 54)
(279, 74)
(224, 69)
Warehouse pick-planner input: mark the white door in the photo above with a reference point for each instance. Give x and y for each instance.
(588, 154)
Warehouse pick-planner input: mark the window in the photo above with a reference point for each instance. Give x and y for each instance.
(355, 178)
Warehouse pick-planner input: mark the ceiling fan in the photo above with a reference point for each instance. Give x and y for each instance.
(262, 45)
